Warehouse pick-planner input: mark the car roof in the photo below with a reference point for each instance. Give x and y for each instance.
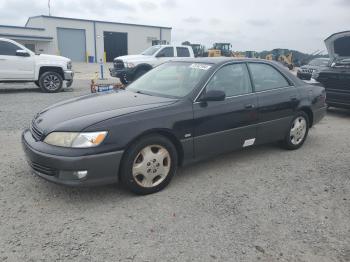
(217, 60)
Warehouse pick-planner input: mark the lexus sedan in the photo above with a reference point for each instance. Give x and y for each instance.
(180, 112)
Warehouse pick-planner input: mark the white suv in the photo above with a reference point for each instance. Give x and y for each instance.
(130, 67)
(19, 64)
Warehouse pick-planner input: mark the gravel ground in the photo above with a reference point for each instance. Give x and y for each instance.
(262, 203)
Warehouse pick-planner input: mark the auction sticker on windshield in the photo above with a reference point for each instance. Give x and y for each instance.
(200, 66)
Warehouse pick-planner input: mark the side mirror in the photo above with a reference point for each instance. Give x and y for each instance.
(213, 95)
(22, 53)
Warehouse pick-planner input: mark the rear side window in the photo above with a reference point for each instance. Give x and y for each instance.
(7, 48)
(265, 77)
(182, 52)
(166, 52)
(232, 79)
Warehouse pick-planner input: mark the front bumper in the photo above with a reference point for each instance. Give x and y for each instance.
(68, 76)
(101, 168)
(126, 74)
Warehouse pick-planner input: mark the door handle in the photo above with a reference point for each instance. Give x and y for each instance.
(249, 106)
(293, 98)
(2, 59)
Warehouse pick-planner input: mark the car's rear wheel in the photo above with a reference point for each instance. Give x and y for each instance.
(149, 165)
(297, 132)
(51, 82)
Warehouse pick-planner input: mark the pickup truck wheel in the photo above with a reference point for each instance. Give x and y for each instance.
(140, 73)
(51, 82)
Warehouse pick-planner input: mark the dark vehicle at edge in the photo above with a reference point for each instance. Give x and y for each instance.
(336, 78)
(180, 112)
(317, 64)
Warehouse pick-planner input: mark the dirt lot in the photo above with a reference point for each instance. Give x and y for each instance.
(263, 203)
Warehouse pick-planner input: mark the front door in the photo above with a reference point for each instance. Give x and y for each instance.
(14, 67)
(164, 54)
(222, 126)
(277, 101)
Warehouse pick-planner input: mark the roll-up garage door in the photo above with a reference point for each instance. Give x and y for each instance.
(72, 43)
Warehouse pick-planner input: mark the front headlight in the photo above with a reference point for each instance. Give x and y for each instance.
(128, 65)
(75, 140)
(69, 65)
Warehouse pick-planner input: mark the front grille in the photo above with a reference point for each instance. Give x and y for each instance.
(43, 169)
(36, 133)
(307, 70)
(118, 64)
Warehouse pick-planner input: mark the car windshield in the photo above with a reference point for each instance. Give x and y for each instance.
(319, 62)
(151, 51)
(174, 80)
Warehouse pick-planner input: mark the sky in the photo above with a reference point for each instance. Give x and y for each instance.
(246, 24)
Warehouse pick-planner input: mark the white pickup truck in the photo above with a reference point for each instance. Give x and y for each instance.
(19, 64)
(130, 67)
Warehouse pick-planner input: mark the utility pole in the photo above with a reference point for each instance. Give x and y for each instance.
(48, 4)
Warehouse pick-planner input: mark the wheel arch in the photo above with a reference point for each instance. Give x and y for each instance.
(165, 133)
(307, 110)
(56, 69)
(143, 66)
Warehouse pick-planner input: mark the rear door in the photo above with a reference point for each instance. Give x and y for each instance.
(222, 126)
(277, 101)
(182, 52)
(13, 67)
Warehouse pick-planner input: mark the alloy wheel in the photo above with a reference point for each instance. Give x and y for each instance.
(51, 82)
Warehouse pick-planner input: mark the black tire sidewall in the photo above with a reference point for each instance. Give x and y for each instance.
(41, 82)
(287, 141)
(126, 176)
(140, 73)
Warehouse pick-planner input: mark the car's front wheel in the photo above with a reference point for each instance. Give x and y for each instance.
(149, 165)
(297, 132)
(51, 82)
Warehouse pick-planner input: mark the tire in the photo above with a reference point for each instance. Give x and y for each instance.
(140, 73)
(145, 161)
(51, 82)
(294, 139)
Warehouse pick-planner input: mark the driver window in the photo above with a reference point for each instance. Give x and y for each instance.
(9, 49)
(232, 79)
(166, 52)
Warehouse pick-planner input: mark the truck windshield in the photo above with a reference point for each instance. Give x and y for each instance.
(173, 80)
(151, 50)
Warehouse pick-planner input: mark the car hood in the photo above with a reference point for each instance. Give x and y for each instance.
(79, 113)
(338, 45)
(134, 58)
(310, 67)
(53, 58)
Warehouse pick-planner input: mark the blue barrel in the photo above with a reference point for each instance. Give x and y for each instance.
(91, 59)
